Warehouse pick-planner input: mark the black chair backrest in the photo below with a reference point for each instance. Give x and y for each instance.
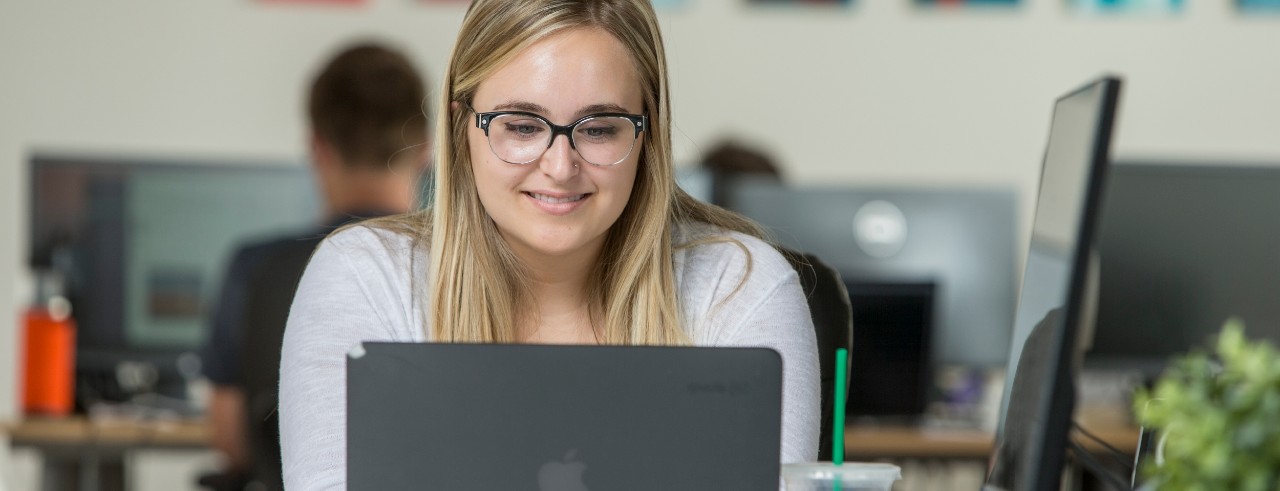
(833, 322)
(266, 311)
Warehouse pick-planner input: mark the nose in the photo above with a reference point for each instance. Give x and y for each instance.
(560, 162)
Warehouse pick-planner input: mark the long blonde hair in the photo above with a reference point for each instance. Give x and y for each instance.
(477, 287)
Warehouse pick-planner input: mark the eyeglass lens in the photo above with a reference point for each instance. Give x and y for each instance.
(521, 139)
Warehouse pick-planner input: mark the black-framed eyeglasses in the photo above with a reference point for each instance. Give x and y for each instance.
(519, 137)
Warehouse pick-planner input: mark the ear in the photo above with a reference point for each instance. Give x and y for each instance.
(323, 155)
(454, 106)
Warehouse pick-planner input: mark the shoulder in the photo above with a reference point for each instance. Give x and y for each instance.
(368, 245)
(252, 253)
(360, 282)
(378, 263)
(373, 257)
(703, 248)
(727, 280)
(737, 290)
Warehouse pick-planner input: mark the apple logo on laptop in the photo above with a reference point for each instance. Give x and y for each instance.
(563, 475)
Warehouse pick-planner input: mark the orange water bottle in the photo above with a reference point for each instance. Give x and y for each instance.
(48, 353)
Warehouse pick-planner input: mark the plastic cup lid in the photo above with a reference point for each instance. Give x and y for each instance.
(847, 472)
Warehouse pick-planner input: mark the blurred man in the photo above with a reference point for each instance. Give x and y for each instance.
(730, 161)
(368, 144)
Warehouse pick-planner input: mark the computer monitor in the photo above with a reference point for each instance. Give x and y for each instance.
(960, 240)
(890, 371)
(695, 180)
(1039, 392)
(142, 244)
(1183, 246)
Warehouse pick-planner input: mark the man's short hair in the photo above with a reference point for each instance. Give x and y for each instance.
(368, 102)
(730, 158)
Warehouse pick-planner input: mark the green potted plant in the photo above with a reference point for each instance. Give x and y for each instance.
(1219, 416)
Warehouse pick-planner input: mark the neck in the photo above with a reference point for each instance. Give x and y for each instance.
(559, 286)
(358, 191)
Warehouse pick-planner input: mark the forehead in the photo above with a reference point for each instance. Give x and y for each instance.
(565, 73)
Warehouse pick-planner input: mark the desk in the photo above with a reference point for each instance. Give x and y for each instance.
(85, 455)
(953, 458)
(867, 442)
(95, 451)
(879, 442)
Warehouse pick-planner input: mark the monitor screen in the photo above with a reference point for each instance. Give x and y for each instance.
(1184, 246)
(1038, 394)
(890, 373)
(142, 243)
(696, 181)
(959, 240)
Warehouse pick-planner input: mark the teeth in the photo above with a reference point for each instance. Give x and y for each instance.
(551, 199)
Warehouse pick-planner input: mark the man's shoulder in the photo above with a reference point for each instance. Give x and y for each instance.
(257, 250)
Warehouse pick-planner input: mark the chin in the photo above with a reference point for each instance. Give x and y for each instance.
(559, 245)
(556, 250)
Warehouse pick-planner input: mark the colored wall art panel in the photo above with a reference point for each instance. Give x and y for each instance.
(800, 3)
(966, 3)
(1260, 6)
(1127, 6)
(669, 4)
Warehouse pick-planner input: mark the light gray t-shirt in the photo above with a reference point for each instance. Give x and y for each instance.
(359, 287)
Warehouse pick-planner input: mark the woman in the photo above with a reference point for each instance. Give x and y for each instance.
(556, 220)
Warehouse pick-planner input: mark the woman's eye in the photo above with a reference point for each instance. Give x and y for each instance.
(598, 132)
(522, 128)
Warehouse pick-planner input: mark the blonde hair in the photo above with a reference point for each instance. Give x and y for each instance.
(477, 287)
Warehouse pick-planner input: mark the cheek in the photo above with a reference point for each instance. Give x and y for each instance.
(495, 183)
(487, 175)
(620, 185)
(478, 152)
(633, 171)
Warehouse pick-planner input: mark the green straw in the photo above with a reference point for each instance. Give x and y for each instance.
(837, 428)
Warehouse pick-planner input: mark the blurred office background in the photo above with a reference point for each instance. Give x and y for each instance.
(873, 94)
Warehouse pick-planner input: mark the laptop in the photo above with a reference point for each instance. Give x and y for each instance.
(572, 418)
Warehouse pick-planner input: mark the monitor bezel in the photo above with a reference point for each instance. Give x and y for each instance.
(1042, 470)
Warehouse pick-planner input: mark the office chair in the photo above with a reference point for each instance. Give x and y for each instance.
(833, 323)
(271, 290)
(266, 312)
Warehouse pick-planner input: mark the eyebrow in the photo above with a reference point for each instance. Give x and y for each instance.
(538, 109)
(602, 108)
(520, 106)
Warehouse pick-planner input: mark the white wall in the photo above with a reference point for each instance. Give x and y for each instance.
(878, 93)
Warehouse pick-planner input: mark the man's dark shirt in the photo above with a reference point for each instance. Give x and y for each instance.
(222, 355)
(247, 332)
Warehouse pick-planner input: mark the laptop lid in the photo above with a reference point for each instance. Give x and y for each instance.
(574, 418)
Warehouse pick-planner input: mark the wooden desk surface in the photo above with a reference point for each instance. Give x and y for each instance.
(878, 442)
(78, 431)
(861, 441)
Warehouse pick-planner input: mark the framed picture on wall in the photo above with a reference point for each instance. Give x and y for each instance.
(315, 2)
(1259, 6)
(669, 4)
(1103, 7)
(800, 3)
(965, 3)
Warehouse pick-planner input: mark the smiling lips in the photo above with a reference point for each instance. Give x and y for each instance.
(546, 198)
(557, 204)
